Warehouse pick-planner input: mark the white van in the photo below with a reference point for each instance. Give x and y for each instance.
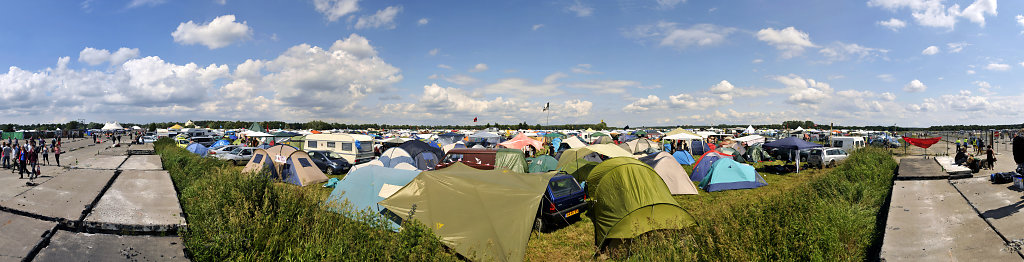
(848, 143)
(343, 144)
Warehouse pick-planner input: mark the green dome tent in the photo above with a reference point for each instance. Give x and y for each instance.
(511, 159)
(542, 163)
(631, 199)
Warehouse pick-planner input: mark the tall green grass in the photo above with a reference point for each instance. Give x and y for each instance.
(831, 217)
(246, 217)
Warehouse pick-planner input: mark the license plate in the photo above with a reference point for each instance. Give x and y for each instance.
(571, 213)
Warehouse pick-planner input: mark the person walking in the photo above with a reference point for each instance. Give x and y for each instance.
(990, 158)
(56, 153)
(45, 151)
(6, 155)
(33, 160)
(22, 157)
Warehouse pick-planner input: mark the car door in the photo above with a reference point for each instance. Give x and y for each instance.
(319, 159)
(842, 155)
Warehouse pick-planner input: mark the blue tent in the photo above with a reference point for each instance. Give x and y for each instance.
(220, 143)
(197, 149)
(791, 143)
(364, 187)
(699, 147)
(556, 143)
(727, 174)
(684, 157)
(705, 163)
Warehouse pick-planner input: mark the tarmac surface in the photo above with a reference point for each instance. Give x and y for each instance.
(935, 219)
(100, 204)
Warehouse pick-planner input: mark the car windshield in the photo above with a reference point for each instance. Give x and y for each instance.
(236, 151)
(332, 155)
(563, 187)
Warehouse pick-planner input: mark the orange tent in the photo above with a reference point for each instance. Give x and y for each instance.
(521, 141)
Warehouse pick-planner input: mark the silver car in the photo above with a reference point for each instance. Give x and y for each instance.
(219, 151)
(239, 156)
(826, 157)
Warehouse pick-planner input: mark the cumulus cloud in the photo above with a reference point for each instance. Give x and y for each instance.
(722, 87)
(790, 41)
(840, 51)
(997, 67)
(580, 9)
(220, 32)
(138, 3)
(669, 4)
(384, 18)
(537, 26)
(930, 50)
(976, 11)
(957, 47)
(888, 96)
(915, 86)
(934, 13)
(334, 9)
(94, 56)
(583, 69)
(965, 101)
(478, 68)
(522, 88)
(606, 86)
(578, 107)
(643, 104)
(804, 91)
(669, 34)
(437, 98)
(462, 80)
(893, 24)
(423, 21)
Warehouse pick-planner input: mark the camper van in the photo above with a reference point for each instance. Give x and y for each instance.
(848, 143)
(343, 144)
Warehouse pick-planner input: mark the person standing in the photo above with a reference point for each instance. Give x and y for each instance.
(22, 157)
(45, 151)
(56, 153)
(6, 155)
(990, 158)
(33, 160)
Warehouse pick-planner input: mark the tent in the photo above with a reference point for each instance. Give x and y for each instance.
(255, 127)
(220, 143)
(424, 156)
(487, 139)
(175, 126)
(684, 157)
(639, 146)
(111, 126)
(757, 154)
(750, 140)
(298, 142)
(300, 170)
(365, 187)
(792, 143)
(449, 138)
(581, 169)
(727, 174)
(270, 159)
(392, 158)
(749, 130)
(521, 141)
(682, 136)
(671, 172)
(511, 159)
(542, 163)
(485, 215)
(451, 146)
(197, 149)
(631, 199)
(603, 140)
(699, 147)
(567, 161)
(574, 142)
(704, 164)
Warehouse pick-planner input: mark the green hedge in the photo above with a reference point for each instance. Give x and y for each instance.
(233, 216)
(832, 218)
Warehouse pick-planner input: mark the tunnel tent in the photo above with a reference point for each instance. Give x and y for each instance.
(727, 174)
(363, 188)
(631, 199)
(542, 163)
(671, 172)
(574, 142)
(591, 153)
(498, 226)
(639, 145)
(273, 157)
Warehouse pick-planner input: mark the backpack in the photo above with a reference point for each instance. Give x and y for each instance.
(1001, 178)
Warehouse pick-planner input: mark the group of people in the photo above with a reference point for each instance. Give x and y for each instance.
(25, 158)
(973, 143)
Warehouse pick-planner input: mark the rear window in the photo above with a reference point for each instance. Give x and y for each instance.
(816, 151)
(837, 143)
(563, 187)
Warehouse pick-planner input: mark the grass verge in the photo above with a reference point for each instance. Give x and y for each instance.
(247, 217)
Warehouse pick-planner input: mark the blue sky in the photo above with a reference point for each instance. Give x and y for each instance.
(627, 62)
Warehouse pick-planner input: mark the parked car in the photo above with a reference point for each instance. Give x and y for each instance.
(239, 156)
(329, 162)
(148, 139)
(826, 157)
(563, 201)
(221, 150)
(204, 140)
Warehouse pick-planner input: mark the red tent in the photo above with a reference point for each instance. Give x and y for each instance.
(922, 142)
(521, 141)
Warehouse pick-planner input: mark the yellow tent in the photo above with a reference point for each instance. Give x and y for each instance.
(176, 126)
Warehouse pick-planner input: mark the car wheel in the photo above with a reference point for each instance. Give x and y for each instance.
(832, 163)
(234, 162)
(330, 170)
(538, 224)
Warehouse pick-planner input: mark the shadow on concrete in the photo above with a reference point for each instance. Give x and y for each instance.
(1005, 211)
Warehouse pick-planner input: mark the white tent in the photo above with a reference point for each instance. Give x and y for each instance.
(798, 129)
(749, 130)
(682, 136)
(136, 127)
(750, 140)
(111, 126)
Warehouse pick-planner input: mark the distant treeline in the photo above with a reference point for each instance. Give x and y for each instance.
(321, 125)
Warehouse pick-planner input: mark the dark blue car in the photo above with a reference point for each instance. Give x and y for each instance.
(564, 201)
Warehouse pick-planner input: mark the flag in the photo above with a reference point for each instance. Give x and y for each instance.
(474, 120)
(547, 106)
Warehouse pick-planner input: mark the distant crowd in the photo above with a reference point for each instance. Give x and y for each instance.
(24, 158)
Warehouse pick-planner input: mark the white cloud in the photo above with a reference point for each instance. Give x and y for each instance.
(522, 88)
(423, 21)
(606, 86)
(804, 91)
(957, 47)
(929, 105)
(931, 50)
(478, 68)
(583, 69)
(790, 41)
(893, 24)
(383, 18)
(220, 32)
(669, 4)
(94, 56)
(437, 98)
(757, 61)
(580, 9)
(984, 87)
(643, 104)
(1021, 63)
(976, 11)
(461, 80)
(970, 72)
(578, 107)
(537, 26)
(915, 86)
(997, 67)
(444, 66)
(840, 51)
(888, 96)
(221, 2)
(334, 9)
(722, 87)
(965, 101)
(690, 102)
(886, 77)
(434, 51)
(672, 35)
(138, 3)
(553, 78)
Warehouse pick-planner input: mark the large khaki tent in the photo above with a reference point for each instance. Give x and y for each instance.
(574, 142)
(680, 130)
(567, 161)
(511, 159)
(639, 146)
(286, 163)
(485, 215)
(631, 199)
(672, 172)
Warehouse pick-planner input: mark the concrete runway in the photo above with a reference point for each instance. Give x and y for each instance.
(100, 204)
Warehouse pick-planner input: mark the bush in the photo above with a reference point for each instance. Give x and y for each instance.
(833, 218)
(235, 216)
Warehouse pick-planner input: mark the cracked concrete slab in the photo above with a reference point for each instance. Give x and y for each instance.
(138, 201)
